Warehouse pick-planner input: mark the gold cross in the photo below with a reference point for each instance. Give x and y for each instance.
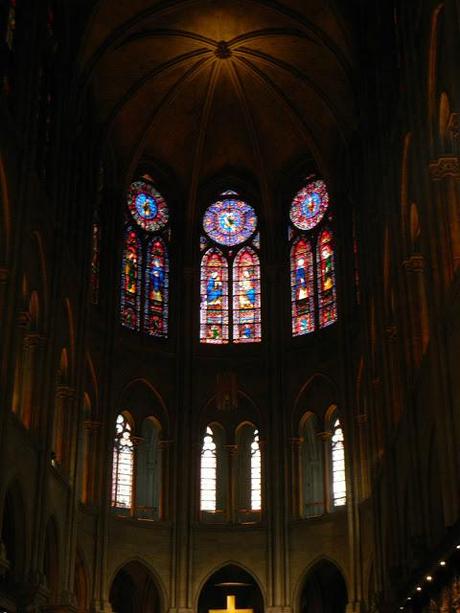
(231, 607)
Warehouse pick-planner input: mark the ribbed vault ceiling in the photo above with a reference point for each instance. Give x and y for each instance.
(206, 85)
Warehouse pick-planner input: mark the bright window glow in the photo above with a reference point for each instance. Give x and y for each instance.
(123, 465)
(327, 302)
(214, 298)
(339, 486)
(246, 297)
(130, 281)
(208, 472)
(302, 288)
(256, 473)
(156, 289)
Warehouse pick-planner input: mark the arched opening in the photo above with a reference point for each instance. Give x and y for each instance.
(324, 590)
(134, 590)
(51, 561)
(228, 583)
(81, 585)
(12, 546)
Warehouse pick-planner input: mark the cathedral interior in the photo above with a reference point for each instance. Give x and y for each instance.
(229, 279)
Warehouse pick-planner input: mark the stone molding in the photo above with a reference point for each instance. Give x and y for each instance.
(415, 263)
(454, 126)
(445, 166)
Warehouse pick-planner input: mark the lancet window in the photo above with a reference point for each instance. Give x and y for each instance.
(230, 310)
(312, 260)
(123, 464)
(322, 459)
(137, 468)
(145, 265)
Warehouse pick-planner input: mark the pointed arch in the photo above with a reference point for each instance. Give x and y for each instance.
(156, 288)
(131, 281)
(246, 297)
(313, 499)
(123, 463)
(302, 287)
(327, 299)
(214, 297)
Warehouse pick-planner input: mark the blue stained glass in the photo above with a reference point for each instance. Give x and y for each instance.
(230, 221)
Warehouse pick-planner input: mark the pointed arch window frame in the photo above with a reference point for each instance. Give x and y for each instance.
(152, 307)
(231, 254)
(320, 314)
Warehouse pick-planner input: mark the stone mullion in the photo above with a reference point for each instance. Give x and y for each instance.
(417, 306)
(232, 515)
(296, 478)
(445, 174)
(165, 464)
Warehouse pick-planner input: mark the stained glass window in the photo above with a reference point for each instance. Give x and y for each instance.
(8, 31)
(156, 289)
(123, 464)
(256, 473)
(326, 280)
(228, 276)
(246, 297)
(147, 278)
(309, 205)
(339, 486)
(313, 289)
(131, 281)
(95, 261)
(230, 221)
(214, 297)
(147, 206)
(302, 287)
(208, 473)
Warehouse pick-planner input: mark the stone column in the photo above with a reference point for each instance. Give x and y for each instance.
(163, 505)
(419, 320)
(28, 410)
(296, 476)
(445, 172)
(63, 445)
(232, 511)
(325, 437)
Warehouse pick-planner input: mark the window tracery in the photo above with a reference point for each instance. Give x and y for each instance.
(123, 464)
(145, 269)
(313, 286)
(230, 276)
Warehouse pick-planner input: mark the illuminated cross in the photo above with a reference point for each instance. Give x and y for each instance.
(231, 607)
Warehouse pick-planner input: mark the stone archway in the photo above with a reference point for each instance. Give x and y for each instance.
(134, 589)
(324, 590)
(230, 580)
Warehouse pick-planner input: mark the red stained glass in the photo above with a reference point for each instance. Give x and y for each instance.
(156, 289)
(327, 302)
(302, 288)
(309, 205)
(130, 282)
(95, 262)
(246, 297)
(214, 298)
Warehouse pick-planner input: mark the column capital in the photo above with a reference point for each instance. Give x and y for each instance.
(445, 166)
(92, 426)
(4, 562)
(454, 126)
(34, 339)
(296, 441)
(232, 449)
(65, 392)
(164, 444)
(391, 332)
(415, 263)
(24, 319)
(324, 436)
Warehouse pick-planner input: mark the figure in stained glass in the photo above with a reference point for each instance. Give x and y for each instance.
(246, 297)
(302, 287)
(326, 280)
(147, 206)
(130, 293)
(214, 298)
(156, 289)
(230, 221)
(309, 205)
